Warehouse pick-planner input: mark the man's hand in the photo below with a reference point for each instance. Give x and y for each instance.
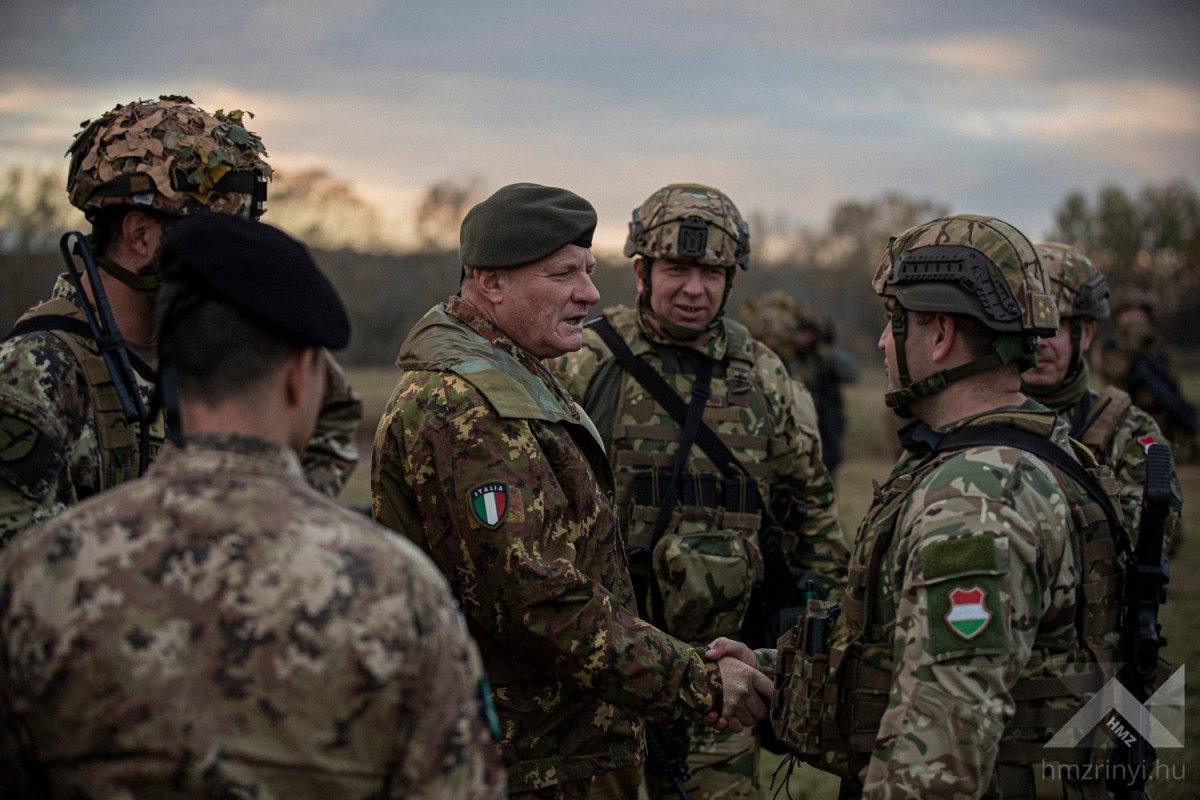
(747, 691)
(722, 647)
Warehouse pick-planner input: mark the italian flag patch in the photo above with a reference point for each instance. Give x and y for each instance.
(968, 616)
(488, 504)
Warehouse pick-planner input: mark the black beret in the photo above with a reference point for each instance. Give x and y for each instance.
(263, 272)
(522, 223)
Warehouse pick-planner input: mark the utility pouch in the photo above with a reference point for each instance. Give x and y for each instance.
(806, 696)
(705, 578)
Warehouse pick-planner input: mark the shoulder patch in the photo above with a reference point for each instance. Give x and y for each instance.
(28, 457)
(965, 618)
(968, 616)
(17, 438)
(489, 503)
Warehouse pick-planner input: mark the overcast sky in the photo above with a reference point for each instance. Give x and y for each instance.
(789, 106)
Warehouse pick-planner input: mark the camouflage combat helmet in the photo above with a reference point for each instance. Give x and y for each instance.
(978, 266)
(772, 319)
(1080, 289)
(169, 155)
(692, 224)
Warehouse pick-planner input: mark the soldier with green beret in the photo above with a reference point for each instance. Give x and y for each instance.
(218, 628)
(707, 543)
(488, 463)
(77, 409)
(971, 630)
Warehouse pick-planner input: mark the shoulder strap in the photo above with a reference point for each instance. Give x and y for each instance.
(666, 397)
(1097, 429)
(982, 435)
(74, 326)
(50, 322)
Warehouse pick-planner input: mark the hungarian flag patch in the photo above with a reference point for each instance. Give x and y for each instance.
(968, 616)
(488, 504)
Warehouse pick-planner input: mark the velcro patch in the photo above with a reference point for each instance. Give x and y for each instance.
(968, 555)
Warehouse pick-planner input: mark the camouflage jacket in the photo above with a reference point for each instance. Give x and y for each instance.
(973, 566)
(50, 445)
(220, 629)
(1118, 434)
(765, 418)
(486, 461)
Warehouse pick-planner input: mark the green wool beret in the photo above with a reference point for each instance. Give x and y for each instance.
(522, 223)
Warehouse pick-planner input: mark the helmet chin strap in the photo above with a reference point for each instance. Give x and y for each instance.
(1007, 349)
(675, 331)
(141, 282)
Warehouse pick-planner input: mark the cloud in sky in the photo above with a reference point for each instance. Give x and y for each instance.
(788, 107)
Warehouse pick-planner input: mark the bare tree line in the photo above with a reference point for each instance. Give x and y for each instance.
(1148, 242)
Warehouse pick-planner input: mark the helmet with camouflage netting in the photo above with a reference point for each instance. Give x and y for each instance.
(977, 266)
(691, 223)
(171, 156)
(1080, 289)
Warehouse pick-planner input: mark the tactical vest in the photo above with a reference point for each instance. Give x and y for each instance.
(708, 559)
(1112, 403)
(831, 703)
(116, 437)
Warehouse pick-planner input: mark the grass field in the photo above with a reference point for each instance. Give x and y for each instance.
(868, 456)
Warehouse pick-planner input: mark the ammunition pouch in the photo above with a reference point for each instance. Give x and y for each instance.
(708, 561)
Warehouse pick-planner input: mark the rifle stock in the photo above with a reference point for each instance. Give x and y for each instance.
(1141, 634)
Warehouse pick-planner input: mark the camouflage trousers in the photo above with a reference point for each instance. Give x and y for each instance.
(573, 790)
(723, 766)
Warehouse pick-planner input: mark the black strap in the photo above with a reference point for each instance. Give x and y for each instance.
(666, 397)
(75, 327)
(701, 391)
(51, 322)
(984, 435)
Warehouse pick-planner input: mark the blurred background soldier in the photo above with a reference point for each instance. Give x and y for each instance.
(1131, 359)
(966, 589)
(697, 538)
(825, 368)
(484, 458)
(809, 350)
(1116, 431)
(218, 628)
(79, 411)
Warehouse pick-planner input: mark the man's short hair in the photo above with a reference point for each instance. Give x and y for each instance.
(977, 337)
(219, 353)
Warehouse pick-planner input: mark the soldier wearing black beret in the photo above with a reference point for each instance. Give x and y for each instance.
(220, 606)
(493, 468)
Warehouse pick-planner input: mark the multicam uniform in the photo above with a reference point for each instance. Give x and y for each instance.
(505, 482)
(1114, 429)
(708, 560)
(984, 586)
(1118, 433)
(961, 615)
(64, 438)
(220, 629)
